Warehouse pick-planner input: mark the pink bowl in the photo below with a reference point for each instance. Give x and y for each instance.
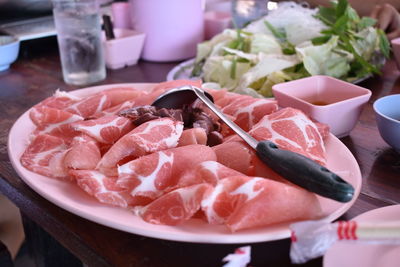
(325, 99)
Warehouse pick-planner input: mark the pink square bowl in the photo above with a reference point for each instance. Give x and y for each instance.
(396, 51)
(325, 99)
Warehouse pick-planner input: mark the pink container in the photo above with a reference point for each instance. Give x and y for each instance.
(124, 50)
(396, 51)
(121, 15)
(215, 22)
(325, 99)
(173, 28)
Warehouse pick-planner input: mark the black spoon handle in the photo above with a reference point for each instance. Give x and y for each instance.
(305, 172)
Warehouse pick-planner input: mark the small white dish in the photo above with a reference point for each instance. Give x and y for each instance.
(124, 50)
(9, 48)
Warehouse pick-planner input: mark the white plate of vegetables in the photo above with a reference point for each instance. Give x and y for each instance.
(291, 42)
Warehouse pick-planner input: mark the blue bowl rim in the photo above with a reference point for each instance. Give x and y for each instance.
(13, 42)
(380, 113)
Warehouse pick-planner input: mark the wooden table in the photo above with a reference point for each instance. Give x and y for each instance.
(37, 74)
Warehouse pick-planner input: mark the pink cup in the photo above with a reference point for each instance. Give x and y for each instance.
(121, 15)
(173, 28)
(396, 51)
(215, 22)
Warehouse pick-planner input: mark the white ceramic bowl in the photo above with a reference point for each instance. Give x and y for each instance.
(9, 48)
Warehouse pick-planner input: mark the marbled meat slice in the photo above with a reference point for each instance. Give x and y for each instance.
(104, 188)
(290, 129)
(174, 207)
(43, 116)
(242, 202)
(106, 130)
(236, 155)
(83, 154)
(149, 137)
(248, 111)
(40, 151)
(152, 175)
(193, 136)
(165, 86)
(206, 172)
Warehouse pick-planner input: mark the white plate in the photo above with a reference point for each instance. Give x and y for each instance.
(184, 70)
(367, 255)
(69, 197)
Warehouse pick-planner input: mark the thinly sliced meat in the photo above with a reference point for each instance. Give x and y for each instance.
(243, 202)
(151, 175)
(57, 167)
(42, 116)
(106, 130)
(104, 188)
(119, 95)
(206, 172)
(40, 151)
(118, 108)
(270, 202)
(235, 155)
(290, 129)
(217, 95)
(89, 106)
(60, 100)
(323, 129)
(239, 156)
(175, 207)
(165, 86)
(149, 137)
(248, 111)
(228, 98)
(84, 154)
(193, 136)
(95, 104)
(62, 130)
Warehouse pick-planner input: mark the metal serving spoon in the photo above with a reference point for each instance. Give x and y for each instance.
(294, 167)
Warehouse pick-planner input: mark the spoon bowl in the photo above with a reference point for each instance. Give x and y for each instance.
(178, 97)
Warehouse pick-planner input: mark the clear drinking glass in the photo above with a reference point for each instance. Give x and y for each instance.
(79, 41)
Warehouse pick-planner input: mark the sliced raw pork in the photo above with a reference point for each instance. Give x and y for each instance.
(84, 154)
(174, 207)
(151, 175)
(290, 129)
(243, 202)
(59, 100)
(149, 137)
(104, 188)
(165, 86)
(43, 116)
(118, 108)
(236, 155)
(206, 172)
(106, 130)
(248, 111)
(40, 152)
(239, 156)
(193, 136)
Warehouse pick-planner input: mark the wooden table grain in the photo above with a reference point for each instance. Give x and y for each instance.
(36, 75)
